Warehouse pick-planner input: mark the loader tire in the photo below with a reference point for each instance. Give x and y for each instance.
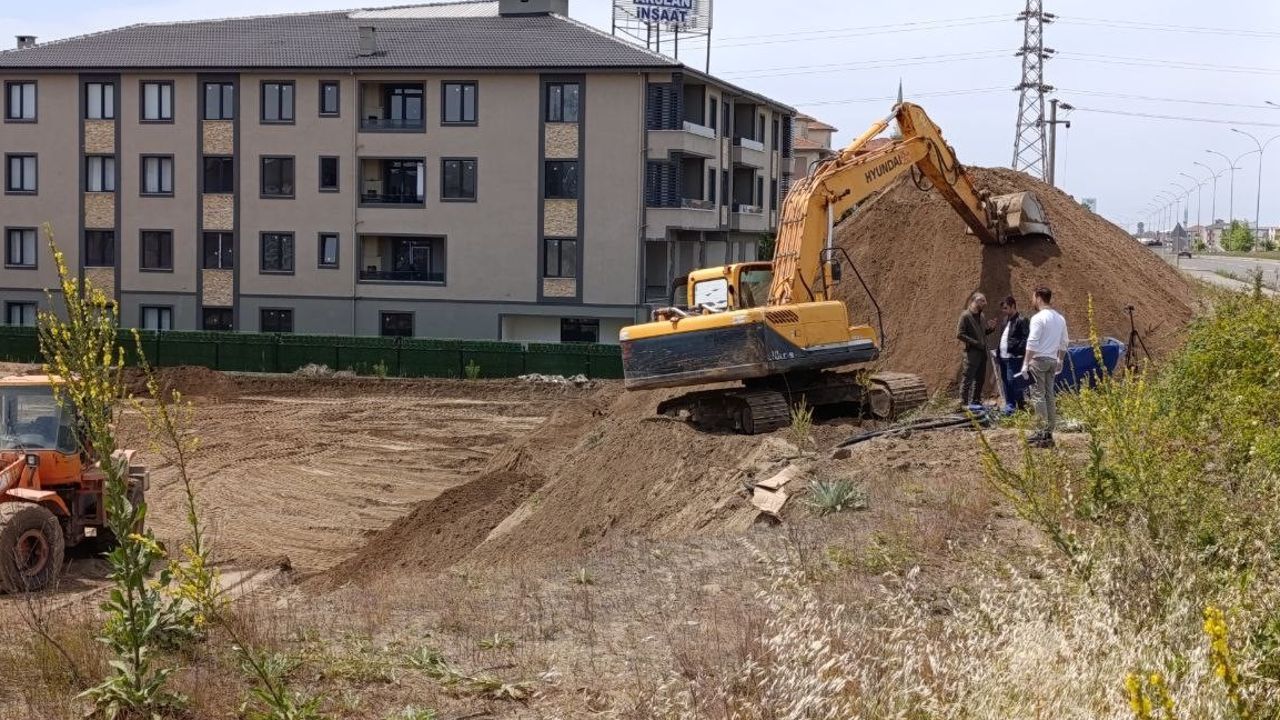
(31, 547)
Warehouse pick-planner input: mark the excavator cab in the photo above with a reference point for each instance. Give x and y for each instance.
(719, 289)
(51, 483)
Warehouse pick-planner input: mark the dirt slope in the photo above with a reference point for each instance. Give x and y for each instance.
(921, 265)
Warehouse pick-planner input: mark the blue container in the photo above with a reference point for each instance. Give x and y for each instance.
(1080, 365)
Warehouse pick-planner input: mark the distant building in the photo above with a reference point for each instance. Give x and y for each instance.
(811, 143)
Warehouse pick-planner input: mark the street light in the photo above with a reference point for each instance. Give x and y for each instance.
(1199, 201)
(1213, 204)
(1262, 148)
(1231, 164)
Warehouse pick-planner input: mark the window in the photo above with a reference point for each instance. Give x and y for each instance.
(711, 185)
(579, 330)
(99, 101)
(20, 102)
(402, 259)
(562, 179)
(777, 134)
(728, 117)
(328, 250)
(277, 177)
(157, 175)
(759, 135)
(713, 114)
(157, 250)
(157, 317)
(20, 247)
(277, 102)
(724, 188)
(157, 102)
(330, 96)
(277, 252)
(561, 258)
(276, 320)
(759, 191)
(219, 101)
(459, 103)
(397, 324)
(20, 176)
(773, 194)
(458, 179)
(219, 174)
(393, 182)
(99, 248)
(328, 174)
(219, 251)
(401, 109)
(100, 173)
(217, 319)
(562, 102)
(20, 313)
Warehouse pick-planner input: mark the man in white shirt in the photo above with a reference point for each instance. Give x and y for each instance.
(1046, 345)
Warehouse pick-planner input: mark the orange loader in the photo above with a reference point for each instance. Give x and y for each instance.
(51, 484)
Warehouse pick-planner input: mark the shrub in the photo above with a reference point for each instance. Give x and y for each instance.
(801, 428)
(472, 370)
(833, 496)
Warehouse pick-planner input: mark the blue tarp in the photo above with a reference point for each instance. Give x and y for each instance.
(1081, 366)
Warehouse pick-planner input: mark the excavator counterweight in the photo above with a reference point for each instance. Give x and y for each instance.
(775, 326)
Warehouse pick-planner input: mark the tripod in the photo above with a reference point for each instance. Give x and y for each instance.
(1135, 340)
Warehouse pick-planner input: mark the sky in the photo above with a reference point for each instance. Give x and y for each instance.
(1118, 63)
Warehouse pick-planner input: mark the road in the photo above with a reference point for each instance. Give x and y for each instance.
(1206, 267)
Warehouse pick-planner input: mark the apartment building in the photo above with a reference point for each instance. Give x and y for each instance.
(482, 170)
(812, 142)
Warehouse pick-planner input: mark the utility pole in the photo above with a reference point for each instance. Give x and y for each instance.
(1231, 194)
(1052, 171)
(1262, 148)
(1029, 152)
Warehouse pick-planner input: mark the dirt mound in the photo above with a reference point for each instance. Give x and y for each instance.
(190, 380)
(918, 261)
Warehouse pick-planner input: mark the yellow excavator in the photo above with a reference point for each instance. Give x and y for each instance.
(775, 327)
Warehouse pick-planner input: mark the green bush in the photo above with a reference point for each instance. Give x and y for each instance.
(1238, 237)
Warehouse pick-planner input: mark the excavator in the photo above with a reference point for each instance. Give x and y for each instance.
(775, 328)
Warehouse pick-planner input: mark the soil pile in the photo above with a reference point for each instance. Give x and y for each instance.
(918, 261)
(189, 380)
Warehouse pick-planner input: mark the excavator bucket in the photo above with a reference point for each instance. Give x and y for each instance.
(1022, 215)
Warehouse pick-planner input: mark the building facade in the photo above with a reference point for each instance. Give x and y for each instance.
(484, 170)
(812, 143)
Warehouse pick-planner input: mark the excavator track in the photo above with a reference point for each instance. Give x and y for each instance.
(892, 395)
(762, 409)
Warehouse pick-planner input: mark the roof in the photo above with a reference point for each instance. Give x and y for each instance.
(757, 97)
(814, 124)
(803, 143)
(461, 35)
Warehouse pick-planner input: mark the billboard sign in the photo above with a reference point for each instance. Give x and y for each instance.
(670, 14)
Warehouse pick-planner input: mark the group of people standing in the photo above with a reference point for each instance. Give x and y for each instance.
(1029, 355)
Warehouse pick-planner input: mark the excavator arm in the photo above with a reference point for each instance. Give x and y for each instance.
(855, 174)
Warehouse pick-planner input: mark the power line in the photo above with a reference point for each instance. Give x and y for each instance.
(775, 40)
(936, 93)
(785, 71)
(1155, 27)
(1150, 98)
(860, 28)
(1167, 64)
(1185, 118)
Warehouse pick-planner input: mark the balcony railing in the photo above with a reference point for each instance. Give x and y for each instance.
(377, 198)
(697, 204)
(697, 129)
(392, 124)
(419, 276)
(749, 144)
(745, 208)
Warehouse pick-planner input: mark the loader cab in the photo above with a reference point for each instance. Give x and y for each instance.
(34, 424)
(729, 287)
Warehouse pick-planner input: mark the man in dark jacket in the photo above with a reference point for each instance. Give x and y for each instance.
(1013, 345)
(972, 331)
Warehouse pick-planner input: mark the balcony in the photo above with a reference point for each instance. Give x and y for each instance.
(748, 218)
(748, 152)
(400, 259)
(697, 204)
(392, 107)
(692, 139)
(391, 182)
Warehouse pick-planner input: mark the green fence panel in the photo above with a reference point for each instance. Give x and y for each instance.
(295, 351)
(430, 358)
(494, 359)
(606, 362)
(19, 344)
(246, 352)
(557, 359)
(150, 340)
(369, 355)
(186, 348)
